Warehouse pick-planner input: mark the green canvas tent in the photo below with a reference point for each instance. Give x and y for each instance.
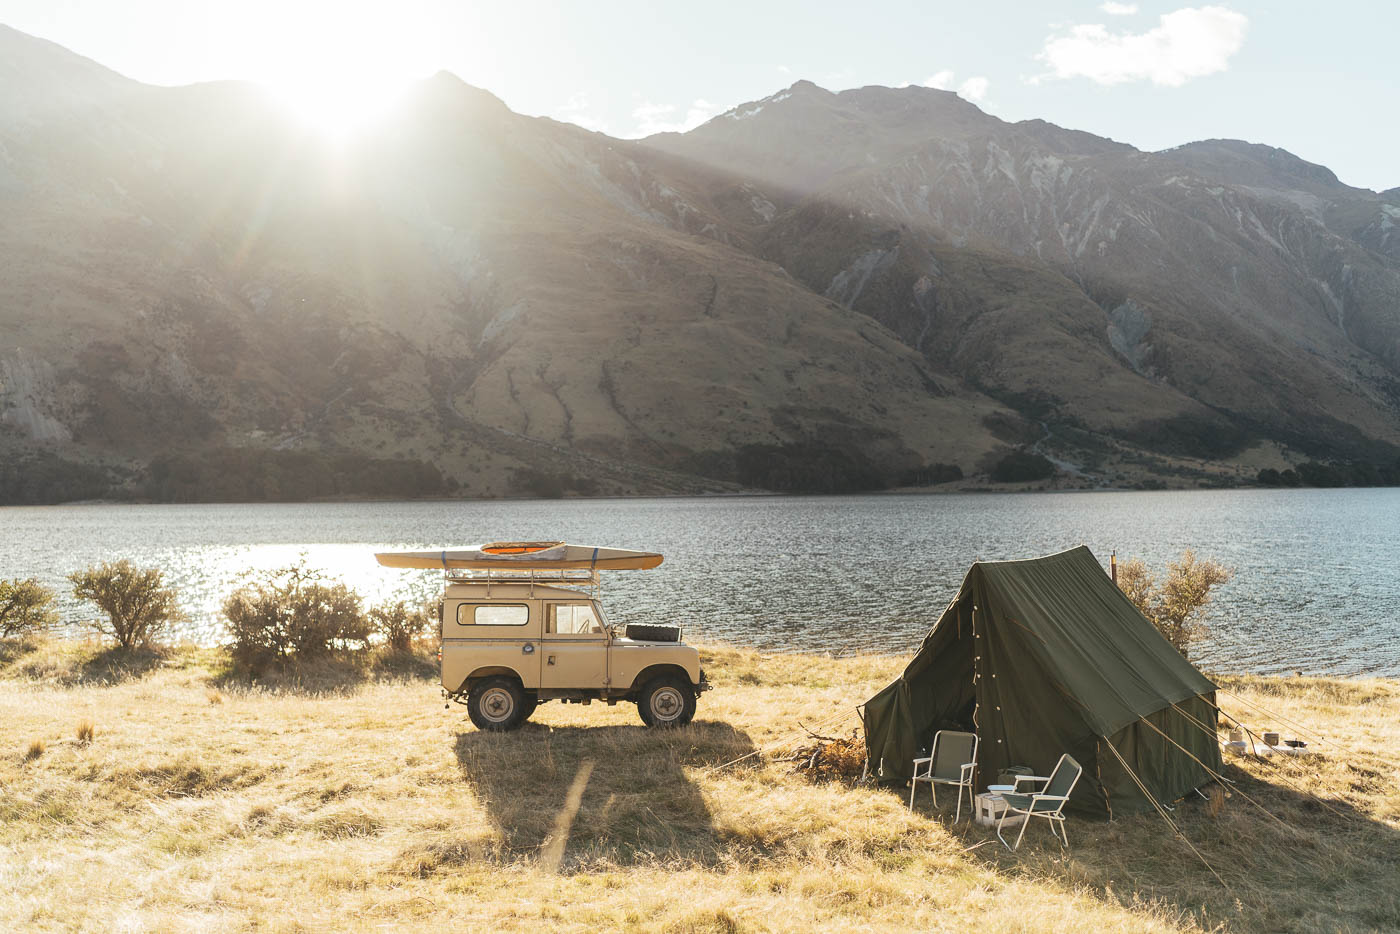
(1047, 656)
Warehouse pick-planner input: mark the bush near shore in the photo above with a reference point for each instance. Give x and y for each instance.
(287, 619)
(171, 796)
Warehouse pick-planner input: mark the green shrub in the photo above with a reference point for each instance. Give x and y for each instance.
(25, 606)
(296, 611)
(399, 623)
(1177, 604)
(138, 605)
(931, 475)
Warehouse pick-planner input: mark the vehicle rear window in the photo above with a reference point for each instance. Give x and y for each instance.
(494, 614)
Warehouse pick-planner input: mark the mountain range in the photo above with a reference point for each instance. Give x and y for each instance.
(816, 291)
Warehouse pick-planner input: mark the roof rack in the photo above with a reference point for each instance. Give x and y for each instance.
(554, 577)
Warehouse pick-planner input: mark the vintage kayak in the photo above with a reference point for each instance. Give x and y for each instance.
(523, 556)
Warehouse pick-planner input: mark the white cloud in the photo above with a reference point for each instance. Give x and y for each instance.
(974, 89)
(662, 118)
(1119, 9)
(784, 69)
(1185, 44)
(942, 81)
(575, 111)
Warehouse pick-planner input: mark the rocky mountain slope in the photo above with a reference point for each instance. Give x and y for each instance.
(1200, 300)
(814, 292)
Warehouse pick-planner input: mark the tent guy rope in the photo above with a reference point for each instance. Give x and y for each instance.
(1170, 823)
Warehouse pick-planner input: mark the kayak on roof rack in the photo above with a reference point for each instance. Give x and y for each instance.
(524, 556)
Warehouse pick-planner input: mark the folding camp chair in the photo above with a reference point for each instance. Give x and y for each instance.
(1049, 803)
(953, 761)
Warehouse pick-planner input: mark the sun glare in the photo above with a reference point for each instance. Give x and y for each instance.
(338, 72)
(337, 107)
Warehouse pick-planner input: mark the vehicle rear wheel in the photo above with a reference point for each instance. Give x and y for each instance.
(666, 701)
(497, 705)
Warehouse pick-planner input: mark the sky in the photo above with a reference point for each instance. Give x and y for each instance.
(1317, 79)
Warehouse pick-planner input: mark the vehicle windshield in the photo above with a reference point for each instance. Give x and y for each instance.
(574, 619)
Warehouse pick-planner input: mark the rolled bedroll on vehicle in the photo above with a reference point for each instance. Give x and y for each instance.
(523, 556)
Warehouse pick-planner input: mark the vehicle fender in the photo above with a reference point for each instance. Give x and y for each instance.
(487, 671)
(665, 668)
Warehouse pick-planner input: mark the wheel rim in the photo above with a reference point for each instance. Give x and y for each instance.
(497, 705)
(666, 703)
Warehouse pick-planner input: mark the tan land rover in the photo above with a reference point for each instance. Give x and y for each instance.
(522, 624)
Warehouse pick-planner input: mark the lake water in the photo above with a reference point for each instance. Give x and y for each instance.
(1317, 584)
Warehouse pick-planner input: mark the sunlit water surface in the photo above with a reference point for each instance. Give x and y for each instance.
(1317, 581)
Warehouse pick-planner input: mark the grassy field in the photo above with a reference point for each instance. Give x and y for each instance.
(350, 799)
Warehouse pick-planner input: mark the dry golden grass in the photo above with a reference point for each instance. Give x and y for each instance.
(85, 731)
(337, 803)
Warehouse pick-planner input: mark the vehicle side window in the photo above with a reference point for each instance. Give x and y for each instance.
(568, 619)
(493, 614)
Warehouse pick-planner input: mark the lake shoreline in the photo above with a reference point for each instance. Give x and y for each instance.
(1317, 572)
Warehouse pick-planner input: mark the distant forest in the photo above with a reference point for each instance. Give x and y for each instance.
(232, 475)
(219, 476)
(1312, 473)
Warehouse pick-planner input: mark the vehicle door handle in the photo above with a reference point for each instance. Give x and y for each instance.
(527, 649)
(551, 659)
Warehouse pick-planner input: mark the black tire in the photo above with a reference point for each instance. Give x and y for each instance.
(666, 701)
(497, 705)
(646, 633)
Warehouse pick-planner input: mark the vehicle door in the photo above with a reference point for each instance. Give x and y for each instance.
(575, 646)
(479, 634)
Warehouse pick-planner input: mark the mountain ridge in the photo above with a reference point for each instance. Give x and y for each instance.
(831, 291)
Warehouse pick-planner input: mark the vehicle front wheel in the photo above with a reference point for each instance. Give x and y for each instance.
(497, 705)
(666, 701)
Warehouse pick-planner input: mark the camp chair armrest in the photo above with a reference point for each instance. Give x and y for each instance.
(1016, 783)
(965, 768)
(1034, 800)
(923, 760)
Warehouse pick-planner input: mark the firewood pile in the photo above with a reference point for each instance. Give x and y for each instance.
(832, 758)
